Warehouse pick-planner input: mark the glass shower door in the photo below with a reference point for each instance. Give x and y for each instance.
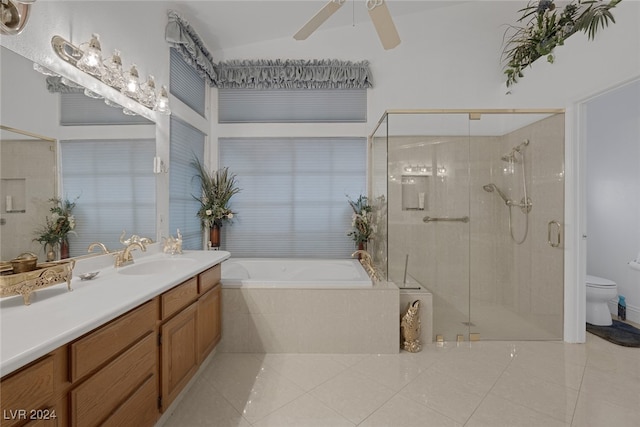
(517, 205)
(428, 213)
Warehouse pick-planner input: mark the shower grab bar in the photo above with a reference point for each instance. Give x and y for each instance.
(446, 219)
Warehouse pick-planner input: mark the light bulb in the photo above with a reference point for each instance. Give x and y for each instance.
(162, 102)
(131, 86)
(91, 60)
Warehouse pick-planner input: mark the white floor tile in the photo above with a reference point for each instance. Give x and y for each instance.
(399, 411)
(353, 395)
(494, 384)
(305, 411)
(495, 411)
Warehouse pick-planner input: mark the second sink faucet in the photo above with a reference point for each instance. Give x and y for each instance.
(125, 258)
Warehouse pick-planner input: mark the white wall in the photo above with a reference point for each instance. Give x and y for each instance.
(449, 58)
(613, 190)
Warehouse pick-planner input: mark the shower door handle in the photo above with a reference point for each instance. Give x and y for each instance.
(550, 226)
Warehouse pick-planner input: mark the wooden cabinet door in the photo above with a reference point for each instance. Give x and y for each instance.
(179, 353)
(209, 324)
(29, 390)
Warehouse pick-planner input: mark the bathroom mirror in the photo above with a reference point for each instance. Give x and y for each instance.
(31, 154)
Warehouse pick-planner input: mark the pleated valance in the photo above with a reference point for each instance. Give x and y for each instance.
(264, 74)
(55, 84)
(293, 74)
(182, 37)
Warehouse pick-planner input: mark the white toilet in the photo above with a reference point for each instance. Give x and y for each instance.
(599, 292)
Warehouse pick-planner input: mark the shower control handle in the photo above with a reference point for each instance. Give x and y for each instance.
(550, 226)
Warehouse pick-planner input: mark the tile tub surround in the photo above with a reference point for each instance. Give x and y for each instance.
(310, 320)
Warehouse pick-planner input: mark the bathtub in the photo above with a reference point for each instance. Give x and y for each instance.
(294, 273)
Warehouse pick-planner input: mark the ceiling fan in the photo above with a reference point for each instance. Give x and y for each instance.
(378, 11)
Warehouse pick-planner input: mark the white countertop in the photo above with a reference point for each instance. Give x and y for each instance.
(56, 316)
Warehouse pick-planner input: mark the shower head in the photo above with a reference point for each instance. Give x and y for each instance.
(511, 156)
(490, 188)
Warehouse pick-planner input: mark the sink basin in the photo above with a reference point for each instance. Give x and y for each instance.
(156, 266)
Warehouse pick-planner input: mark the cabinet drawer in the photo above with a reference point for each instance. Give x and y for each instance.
(179, 297)
(93, 400)
(141, 409)
(27, 390)
(209, 278)
(93, 350)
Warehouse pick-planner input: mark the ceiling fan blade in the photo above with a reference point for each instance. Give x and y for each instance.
(318, 19)
(385, 27)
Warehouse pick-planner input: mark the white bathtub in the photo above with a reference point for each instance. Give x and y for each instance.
(294, 273)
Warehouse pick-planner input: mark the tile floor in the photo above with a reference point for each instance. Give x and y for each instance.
(541, 384)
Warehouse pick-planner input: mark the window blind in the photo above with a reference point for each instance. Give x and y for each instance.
(185, 83)
(293, 201)
(292, 106)
(185, 143)
(116, 190)
(77, 109)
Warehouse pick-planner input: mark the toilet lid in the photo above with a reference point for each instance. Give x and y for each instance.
(599, 282)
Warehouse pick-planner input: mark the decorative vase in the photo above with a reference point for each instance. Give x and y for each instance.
(50, 253)
(362, 246)
(64, 249)
(214, 235)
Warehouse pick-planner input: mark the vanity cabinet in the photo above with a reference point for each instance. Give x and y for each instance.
(34, 395)
(209, 324)
(125, 372)
(190, 329)
(113, 368)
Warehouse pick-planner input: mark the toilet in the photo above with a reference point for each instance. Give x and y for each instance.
(599, 292)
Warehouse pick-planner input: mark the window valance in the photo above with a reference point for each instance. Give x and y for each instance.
(264, 74)
(293, 74)
(181, 36)
(55, 84)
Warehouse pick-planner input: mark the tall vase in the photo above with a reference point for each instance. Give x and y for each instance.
(64, 249)
(50, 252)
(214, 236)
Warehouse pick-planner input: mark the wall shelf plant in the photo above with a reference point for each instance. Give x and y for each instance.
(543, 26)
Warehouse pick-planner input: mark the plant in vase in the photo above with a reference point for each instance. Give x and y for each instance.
(217, 188)
(361, 221)
(57, 227)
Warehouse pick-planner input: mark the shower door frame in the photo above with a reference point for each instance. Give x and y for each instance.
(473, 114)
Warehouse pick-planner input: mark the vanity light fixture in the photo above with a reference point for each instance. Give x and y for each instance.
(91, 60)
(113, 71)
(44, 70)
(162, 102)
(131, 86)
(88, 58)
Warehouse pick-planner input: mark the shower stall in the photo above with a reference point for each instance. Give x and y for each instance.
(470, 205)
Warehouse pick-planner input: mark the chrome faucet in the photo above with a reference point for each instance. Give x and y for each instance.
(125, 258)
(98, 244)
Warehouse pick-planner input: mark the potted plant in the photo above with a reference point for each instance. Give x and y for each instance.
(57, 227)
(360, 221)
(217, 188)
(546, 26)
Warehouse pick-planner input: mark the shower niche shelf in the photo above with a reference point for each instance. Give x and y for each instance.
(414, 192)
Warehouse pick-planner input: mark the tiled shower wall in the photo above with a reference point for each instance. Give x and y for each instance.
(479, 260)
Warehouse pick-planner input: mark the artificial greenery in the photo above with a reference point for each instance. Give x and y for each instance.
(545, 26)
(360, 220)
(59, 224)
(217, 188)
